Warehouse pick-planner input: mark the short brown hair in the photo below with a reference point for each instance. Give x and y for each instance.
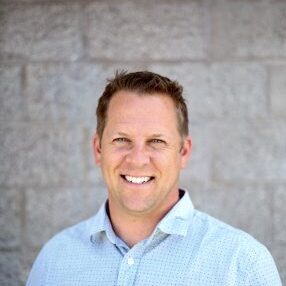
(144, 83)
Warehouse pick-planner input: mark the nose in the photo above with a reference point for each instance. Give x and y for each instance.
(138, 156)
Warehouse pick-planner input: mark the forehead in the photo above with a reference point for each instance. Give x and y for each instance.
(142, 110)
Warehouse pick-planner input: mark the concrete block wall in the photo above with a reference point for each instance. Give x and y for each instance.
(230, 55)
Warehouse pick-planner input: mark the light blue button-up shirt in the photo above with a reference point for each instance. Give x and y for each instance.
(187, 247)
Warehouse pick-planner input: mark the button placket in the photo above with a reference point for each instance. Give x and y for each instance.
(129, 265)
(130, 261)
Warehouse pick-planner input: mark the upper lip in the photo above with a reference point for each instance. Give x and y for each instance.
(137, 176)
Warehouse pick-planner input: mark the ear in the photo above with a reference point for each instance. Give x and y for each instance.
(97, 149)
(186, 151)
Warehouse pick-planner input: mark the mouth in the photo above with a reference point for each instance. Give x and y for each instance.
(137, 180)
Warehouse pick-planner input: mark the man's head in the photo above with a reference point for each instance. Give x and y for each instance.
(143, 83)
(141, 143)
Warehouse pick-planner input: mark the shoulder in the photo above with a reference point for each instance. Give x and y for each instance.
(222, 235)
(69, 240)
(216, 230)
(72, 240)
(236, 247)
(71, 236)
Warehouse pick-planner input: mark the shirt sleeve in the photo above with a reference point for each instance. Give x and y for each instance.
(264, 271)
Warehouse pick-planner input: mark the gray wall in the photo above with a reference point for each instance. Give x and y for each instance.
(55, 57)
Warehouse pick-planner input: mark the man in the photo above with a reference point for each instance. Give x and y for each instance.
(147, 232)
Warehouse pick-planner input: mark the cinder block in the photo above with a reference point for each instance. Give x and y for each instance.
(278, 252)
(199, 165)
(278, 91)
(249, 151)
(92, 171)
(242, 206)
(147, 30)
(238, 90)
(11, 99)
(9, 268)
(279, 245)
(27, 258)
(64, 91)
(93, 199)
(220, 90)
(249, 29)
(280, 214)
(36, 154)
(41, 32)
(10, 223)
(45, 215)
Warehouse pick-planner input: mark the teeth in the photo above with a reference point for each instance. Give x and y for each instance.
(137, 180)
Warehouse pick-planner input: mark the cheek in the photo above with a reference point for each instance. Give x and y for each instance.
(112, 158)
(166, 161)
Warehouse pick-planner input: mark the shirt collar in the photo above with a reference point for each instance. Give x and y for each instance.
(176, 221)
(179, 218)
(101, 223)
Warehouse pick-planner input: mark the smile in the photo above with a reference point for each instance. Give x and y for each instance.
(137, 180)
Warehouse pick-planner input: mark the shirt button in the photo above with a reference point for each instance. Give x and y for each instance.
(130, 261)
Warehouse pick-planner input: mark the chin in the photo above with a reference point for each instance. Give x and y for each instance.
(137, 207)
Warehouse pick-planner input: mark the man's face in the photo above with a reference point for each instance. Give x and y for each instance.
(141, 153)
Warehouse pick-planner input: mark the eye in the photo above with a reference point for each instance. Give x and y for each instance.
(120, 140)
(157, 141)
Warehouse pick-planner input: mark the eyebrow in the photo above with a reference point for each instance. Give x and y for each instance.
(121, 134)
(156, 135)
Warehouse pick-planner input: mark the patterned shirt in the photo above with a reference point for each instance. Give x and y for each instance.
(187, 247)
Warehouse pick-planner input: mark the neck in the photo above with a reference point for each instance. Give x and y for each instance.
(135, 228)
